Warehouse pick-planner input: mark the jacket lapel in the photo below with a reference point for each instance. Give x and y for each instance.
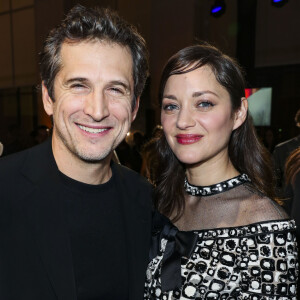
(48, 222)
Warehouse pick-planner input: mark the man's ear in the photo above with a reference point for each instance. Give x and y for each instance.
(135, 109)
(241, 114)
(47, 101)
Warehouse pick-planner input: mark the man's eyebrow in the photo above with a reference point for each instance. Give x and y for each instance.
(85, 80)
(76, 79)
(120, 82)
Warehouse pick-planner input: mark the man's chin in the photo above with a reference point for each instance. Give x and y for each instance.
(94, 158)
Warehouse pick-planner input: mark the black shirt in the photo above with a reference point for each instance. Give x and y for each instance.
(96, 230)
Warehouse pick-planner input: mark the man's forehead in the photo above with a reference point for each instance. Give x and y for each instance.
(87, 55)
(67, 44)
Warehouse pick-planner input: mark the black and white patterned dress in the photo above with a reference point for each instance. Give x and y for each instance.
(256, 261)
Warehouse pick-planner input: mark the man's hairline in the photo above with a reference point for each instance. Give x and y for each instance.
(104, 40)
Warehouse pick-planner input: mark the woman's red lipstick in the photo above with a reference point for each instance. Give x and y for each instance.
(186, 139)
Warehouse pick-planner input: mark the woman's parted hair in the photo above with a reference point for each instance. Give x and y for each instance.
(245, 151)
(88, 24)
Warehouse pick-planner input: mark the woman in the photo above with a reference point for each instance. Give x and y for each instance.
(227, 238)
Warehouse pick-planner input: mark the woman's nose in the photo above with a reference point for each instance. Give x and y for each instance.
(185, 119)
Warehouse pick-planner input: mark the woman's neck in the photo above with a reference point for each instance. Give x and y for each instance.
(212, 172)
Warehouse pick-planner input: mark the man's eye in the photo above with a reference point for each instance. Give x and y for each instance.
(117, 90)
(77, 86)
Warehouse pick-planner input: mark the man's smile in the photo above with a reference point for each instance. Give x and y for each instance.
(91, 129)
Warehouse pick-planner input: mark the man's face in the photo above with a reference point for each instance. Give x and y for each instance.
(93, 93)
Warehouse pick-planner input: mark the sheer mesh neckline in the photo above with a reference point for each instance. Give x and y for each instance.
(238, 206)
(215, 188)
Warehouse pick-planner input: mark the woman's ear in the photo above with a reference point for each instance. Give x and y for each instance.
(47, 101)
(241, 114)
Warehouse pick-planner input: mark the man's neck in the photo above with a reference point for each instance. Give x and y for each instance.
(86, 172)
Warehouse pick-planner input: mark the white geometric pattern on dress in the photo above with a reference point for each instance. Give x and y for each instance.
(256, 262)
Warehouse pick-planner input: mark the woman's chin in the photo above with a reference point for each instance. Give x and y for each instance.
(189, 160)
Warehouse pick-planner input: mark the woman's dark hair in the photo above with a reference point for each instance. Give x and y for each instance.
(245, 151)
(89, 24)
(292, 166)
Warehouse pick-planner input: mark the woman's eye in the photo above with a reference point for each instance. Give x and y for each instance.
(169, 107)
(205, 104)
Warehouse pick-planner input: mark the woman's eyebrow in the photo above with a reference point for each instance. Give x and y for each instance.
(172, 97)
(198, 94)
(194, 95)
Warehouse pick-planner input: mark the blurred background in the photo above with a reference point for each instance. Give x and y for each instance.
(263, 35)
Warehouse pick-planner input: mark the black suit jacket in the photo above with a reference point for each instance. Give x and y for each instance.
(35, 255)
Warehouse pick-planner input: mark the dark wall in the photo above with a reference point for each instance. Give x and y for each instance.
(284, 78)
(285, 81)
(245, 31)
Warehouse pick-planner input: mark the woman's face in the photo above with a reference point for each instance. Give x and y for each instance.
(197, 117)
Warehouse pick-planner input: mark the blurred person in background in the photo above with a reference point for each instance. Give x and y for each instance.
(1, 148)
(149, 153)
(40, 134)
(149, 160)
(280, 154)
(138, 141)
(292, 177)
(269, 139)
(13, 140)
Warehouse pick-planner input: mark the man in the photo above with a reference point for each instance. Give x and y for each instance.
(74, 225)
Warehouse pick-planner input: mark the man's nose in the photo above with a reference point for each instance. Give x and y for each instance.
(96, 106)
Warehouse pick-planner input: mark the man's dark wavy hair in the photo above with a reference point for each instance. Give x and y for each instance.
(88, 24)
(245, 151)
